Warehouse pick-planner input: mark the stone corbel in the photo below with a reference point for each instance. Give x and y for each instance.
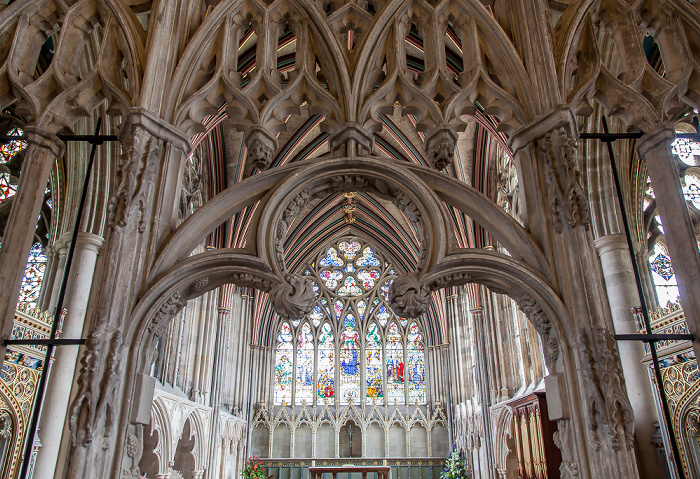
(358, 140)
(409, 297)
(261, 147)
(440, 144)
(294, 298)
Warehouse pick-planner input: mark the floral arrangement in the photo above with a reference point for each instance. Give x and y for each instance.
(253, 469)
(455, 466)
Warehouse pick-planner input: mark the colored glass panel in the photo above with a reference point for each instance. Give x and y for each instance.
(368, 278)
(331, 258)
(305, 367)
(416, 365)
(349, 366)
(373, 363)
(331, 278)
(326, 364)
(11, 148)
(361, 307)
(349, 288)
(350, 321)
(395, 388)
(383, 314)
(338, 306)
(33, 275)
(692, 189)
(686, 150)
(367, 258)
(384, 289)
(6, 189)
(349, 249)
(283, 366)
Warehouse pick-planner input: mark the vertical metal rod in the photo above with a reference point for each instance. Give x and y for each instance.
(39, 398)
(645, 310)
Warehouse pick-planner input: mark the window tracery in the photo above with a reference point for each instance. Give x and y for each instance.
(373, 345)
(33, 275)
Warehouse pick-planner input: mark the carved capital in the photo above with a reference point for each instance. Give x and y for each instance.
(408, 297)
(261, 147)
(293, 298)
(440, 144)
(170, 307)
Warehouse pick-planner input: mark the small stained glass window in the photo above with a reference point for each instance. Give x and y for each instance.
(663, 275)
(416, 365)
(283, 366)
(686, 150)
(692, 190)
(7, 189)
(11, 148)
(326, 363)
(305, 367)
(33, 275)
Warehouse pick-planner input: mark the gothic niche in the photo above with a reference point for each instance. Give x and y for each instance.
(350, 440)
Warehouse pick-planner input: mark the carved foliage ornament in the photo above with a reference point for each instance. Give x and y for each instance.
(408, 297)
(136, 172)
(607, 401)
(99, 376)
(539, 320)
(293, 298)
(565, 195)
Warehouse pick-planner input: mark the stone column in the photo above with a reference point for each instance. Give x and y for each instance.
(622, 296)
(655, 149)
(41, 153)
(58, 390)
(483, 379)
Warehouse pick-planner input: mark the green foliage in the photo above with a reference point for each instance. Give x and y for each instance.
(253, 469)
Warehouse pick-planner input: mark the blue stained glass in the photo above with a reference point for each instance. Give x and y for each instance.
(416, 366)
(331, 258)
(331, 278)
(283, 366)
(361, 307)
(367, 258)
(350, 321)
(33, 275)
(349, 366)
(305, 367)
(661, 265)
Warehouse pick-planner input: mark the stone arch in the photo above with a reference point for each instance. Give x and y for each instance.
(160, 425)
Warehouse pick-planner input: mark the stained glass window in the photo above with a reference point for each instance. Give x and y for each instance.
(416, 365)
(374, 363)
(7, 189)
(663, 276)
(305, 367)
(686, 150)
(351, 345)
(395, 389)
(692, 189)
(326, 364)
(11, 148)
(33, 274)
(283, 366)
(349, 366)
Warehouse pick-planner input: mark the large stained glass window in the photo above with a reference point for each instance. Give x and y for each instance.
(305, 366)
(373, 363)
(33, 275)
(351, 346)
(416, 365)
(283, 366)
(326, 363)
(395, 390)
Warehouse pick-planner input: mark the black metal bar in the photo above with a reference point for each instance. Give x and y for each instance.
(41, 388)
(45, 342)
(645, 310)
(92, 139)
(649, 338)
(611, 136)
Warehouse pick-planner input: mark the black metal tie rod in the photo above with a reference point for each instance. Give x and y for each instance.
(608, 138)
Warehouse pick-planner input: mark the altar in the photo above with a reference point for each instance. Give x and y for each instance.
(350, 472)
